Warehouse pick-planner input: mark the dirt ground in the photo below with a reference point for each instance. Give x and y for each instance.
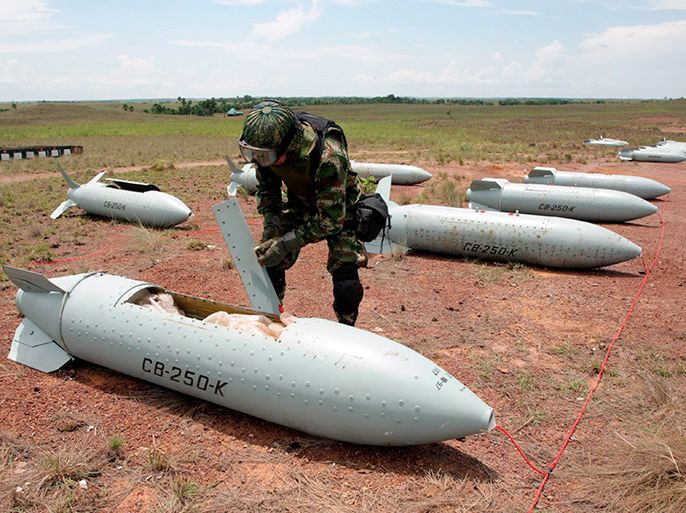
(528, 341)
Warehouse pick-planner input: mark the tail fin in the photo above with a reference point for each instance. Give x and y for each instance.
(30, 281)
(239, 241)
(97, 177)
(232, 166)
(382, 245)
(383, 188)
(62, 208)
(71, 183)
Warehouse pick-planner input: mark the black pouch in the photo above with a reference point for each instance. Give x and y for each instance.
(370, 217)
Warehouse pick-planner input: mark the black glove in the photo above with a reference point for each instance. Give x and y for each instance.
(273, 227)
(274, 251)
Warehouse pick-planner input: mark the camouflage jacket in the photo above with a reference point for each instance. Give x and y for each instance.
(321, 199)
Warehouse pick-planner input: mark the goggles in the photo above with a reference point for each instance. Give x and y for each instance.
(263, 157)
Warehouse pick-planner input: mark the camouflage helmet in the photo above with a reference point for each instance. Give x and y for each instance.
(270, 124)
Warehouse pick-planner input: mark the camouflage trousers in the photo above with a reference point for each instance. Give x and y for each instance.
(346, 255)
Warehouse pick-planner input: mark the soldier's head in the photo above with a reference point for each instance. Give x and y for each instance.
(268, 131)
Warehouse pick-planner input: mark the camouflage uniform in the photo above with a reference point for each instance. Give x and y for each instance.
(315, 206)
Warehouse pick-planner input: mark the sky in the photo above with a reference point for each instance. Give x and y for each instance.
(125, 49)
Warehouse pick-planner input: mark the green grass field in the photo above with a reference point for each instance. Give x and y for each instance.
(408, 133)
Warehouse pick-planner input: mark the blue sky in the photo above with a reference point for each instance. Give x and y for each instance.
(77, 49)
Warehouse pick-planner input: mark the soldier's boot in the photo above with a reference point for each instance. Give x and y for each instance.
(347, 293)
(278, 278)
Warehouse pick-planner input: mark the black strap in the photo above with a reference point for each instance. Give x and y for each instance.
(321, 126)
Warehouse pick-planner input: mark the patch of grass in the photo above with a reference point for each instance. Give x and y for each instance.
(160, 461)
(196, 245)
(398, 251)
(443, 190)
(162, 165)
(526, 381)
(561, 349)
(68, 423)
(184, 490)
(643, 475)
(41, 253)
(66, 467)
(115, 443)
(662, 371)
(440, 479)
(577, 386)
(149, 242)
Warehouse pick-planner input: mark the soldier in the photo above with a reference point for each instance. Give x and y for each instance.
(309, 155)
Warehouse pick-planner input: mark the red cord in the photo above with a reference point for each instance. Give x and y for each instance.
(528, 461)
(648, 271)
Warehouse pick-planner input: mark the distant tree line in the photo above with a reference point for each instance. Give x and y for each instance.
(188, 108)
(544, 101)
(212, 106)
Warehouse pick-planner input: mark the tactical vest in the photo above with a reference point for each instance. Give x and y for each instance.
(298, 175)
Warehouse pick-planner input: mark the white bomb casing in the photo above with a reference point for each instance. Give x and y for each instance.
(645, 188)
(318, 377)
(586, 204)
(124, 200)
(401, 174)
(539, 240)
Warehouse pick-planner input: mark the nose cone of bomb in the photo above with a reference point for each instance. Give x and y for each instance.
(371, 390)
(625, 250)
(422, 175)
(659, 189)
(643, 209)
(177, 211)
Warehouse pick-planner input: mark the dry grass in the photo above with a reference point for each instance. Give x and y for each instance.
(49, 482)
(644, 475)
(148, 241)
(67, 466)
(643, 472)
(443, 190)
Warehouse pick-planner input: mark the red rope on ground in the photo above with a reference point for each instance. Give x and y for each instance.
(528, 461)
(648, 271)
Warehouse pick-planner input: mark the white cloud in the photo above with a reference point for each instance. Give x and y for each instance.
(239, 3)
(514, 12)
(12, 72)
(63, 45)
(544, 65)
(287, 23)
(464, 3)
(24, 16)
(485, 4)
(136, 65)
(544, 69)
(255, 52)
(668, 5)
(638, 40)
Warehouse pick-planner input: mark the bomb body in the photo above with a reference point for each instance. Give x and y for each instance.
(124, 200)
(400, 174)
(645, 188)
(319, 377)
(538, 240)
(586, 204)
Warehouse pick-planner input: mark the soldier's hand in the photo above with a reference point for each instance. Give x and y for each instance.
(274, 251)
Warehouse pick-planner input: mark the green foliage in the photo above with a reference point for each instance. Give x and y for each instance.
(115, 443)
(184, 490)
(196, 245)
(526, 381)
(368, 184)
